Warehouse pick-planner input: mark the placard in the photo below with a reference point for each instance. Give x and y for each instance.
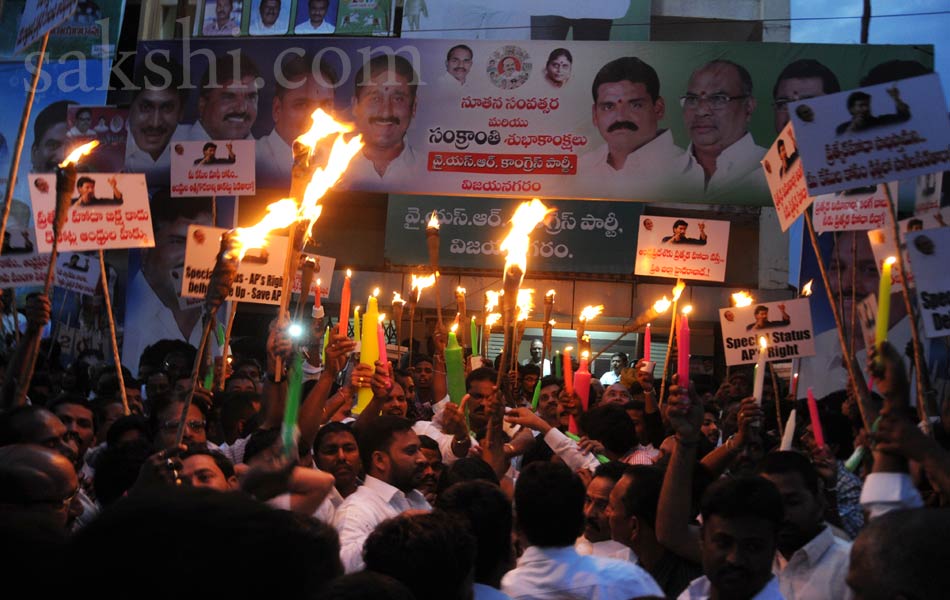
(20, 264)
(108, 211)
(930, 252)
(882, 242)
(682, 248)
(927, 193)
(213, 168)
(783, 172)
(786, 325)
(78, 272)
(40, 16)
(323, 271)
(871, 135)
(858, 209)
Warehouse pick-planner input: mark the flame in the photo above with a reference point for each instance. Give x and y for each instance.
(397, 299)
(433, 221)
(375, 292)
(590, 312)
(515, 246)
(740, 299)
(381, 318)
(525, 303)
(549, 296)
(421, 283)
(322, 126)
(662, 305)
(890, 260)
(492, 319)
(349, 274)
(585, 355)
(78, 153)
(568, 348)
(492, 298)
(687, 309)
(279, 214)
(806, 289)
(552, 323)
(680, 286)
(763, 342)
(455, 326)
(460, 290)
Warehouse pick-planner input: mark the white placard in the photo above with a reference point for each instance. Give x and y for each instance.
(783, 172)
(682, 248)
(786, 325)
(930, 252)
(213, 168)
(857, 209)
(39, 17)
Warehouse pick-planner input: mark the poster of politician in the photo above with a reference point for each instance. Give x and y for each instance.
(682, 248)
(786, 326)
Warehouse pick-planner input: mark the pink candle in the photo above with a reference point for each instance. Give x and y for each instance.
(683, 352)
(646, 344)
(345, 305)
(582, 382)
(567, 368)
(383, 356)
(815, 420)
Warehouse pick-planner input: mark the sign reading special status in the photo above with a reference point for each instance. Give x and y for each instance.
(783, 172)
(107, 210)
(930, 250)
(786, 326)
(682, 248)
(875, 134)
(213, 168)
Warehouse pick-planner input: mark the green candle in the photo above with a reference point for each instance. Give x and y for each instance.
(292, 406)
(600, 457)
(474, 337)
(537, 395)
(455, 369)
(557, 364)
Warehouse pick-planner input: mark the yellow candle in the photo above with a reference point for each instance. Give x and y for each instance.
(356, 323)
(884, 303)
(369, 351)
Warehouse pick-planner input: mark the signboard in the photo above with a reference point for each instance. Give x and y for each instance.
(882, 241)
(858, 209)
(108, 211)
(930, 252)
(322, 272)
(928, 190)
(682, 248)
(40, 16)
(594, 237)
(20, 265)
(786, 326)
(92, 30)
(783, 172)
(874, 134)
(213, 168)
(78, 272)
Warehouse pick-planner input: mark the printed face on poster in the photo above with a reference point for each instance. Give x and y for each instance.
(930, 250)
(882, 242)
(785, 325)
(858, 209)
(213, 168)
(927, 193)
(108, 125)
(783, 172)
(682, 248)
(874, 134)
(77, 272)
(20, 263)
(107, 211)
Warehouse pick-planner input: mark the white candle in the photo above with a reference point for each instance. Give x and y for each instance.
(759, 380)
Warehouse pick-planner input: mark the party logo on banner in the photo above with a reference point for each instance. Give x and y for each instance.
(930, 252)
(107, 211)
(682, 248)
(783, 172)
(213, 168)
(858, 209)
(785, 325)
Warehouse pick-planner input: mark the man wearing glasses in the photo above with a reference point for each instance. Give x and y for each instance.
(717, 108)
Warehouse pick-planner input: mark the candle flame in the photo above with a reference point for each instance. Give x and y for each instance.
(455, 326)
(687, 309)
(492, 298)
(433, 221)
(890, 260)
(349, 274)
(585, 355)
(460, 290)
(680, 286)
(806, 290)
(78, 153)
(397, 299)
(375, 292)
(525, 303)
(516, 245)
(763, 342)
(740, 299)
(662, 305)
(492, 319)
(552, 323)
(381, 318)
(568, 348)
(590, 312)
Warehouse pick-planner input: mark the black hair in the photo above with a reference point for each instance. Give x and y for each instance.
(743, 497)
(83, 111)
(612, 470)
(745, 79)
(383, 62)
(365, 585)
(125, 424)
(807, 68)
(165, 211)
(611, 425)
(469, 468)
(628, 68)
(893, 70)
(220, 460)
(529, 369)
(83, 181)
(260, 440)
(642, 496)
(52, 115)
(549, 503)
(224, 67)
(562, 52)
(117, 468)
(330, 428)
(448, 54)
(487, 512)
(235, 406)
(777, 463)
(421, 358)
(154, 78)
(552, 380)
(209, 145)
(760, 308)
(855, 97)
(679, 223)
(299, 67)
(427, 443)
(481, 374)
(378, 435)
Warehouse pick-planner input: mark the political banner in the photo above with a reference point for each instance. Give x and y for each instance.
(783, 172)
(875, 134)
(92, 30)
(78, 273)
(857, 209)
(213, 168)
(294, 17)
(106, 124)
(593, 237)
(682, 248)
(39, 17)
(507, 121)
(20, 264)
(114, 217)
(785, 325)
(930, 250)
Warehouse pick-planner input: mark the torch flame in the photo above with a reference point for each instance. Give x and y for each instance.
(590, 312)
(279, 214)
(806, 289)
(549, 294)
(687, 309)
(322, 126)
(662, 305)
(492, 319)
(421, 283)
(492, 298)
(678, 290)
(78, 153)
(525, 303)
(433, 221)
(740, 299)
(460, 290)
(397, 299)
(515, 246)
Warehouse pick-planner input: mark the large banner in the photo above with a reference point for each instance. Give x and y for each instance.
(592, 237)
(553, 119)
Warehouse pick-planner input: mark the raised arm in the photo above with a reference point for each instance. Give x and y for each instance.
(313, 408)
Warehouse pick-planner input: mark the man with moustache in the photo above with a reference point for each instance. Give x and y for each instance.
(227, 105)
(221, 23)
(627, 110)
(49, 137)
(717, 108)
(299, 91)
(336, 452)
(317, 25)
(458, 63)
(596, 539)
(383, 105)
(270, 20)
(154, 114)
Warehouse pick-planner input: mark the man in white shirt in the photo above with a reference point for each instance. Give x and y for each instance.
(221, 23)
(299, 91)
(227, 106)
(741, 519)
(717, 109)
(627, 110)
(811, 562)
(270, 20)
(596, 539)
(618, 360)
(335, 451)
(549, 504)
(317, 25)
(394, 465)
(458, 63)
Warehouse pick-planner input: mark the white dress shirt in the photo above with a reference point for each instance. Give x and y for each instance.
(738, 167)
(568, 451)
(549, 573)
(816, 570)
(884, 492)
(609, 378)
(157, 170)
(605, 549)
(700, 589)
(307, 28)
(358, 515)
(361, 174)
(327, 509)
(278, 28)
(275, 159)
(652, 170)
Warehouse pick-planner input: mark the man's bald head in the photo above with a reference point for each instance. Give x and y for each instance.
(37, 480)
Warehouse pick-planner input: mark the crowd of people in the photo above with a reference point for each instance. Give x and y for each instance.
(497, 495)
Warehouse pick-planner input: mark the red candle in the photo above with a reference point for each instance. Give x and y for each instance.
(316, 296)
(646, 344)
(345, 305)
(815, 420)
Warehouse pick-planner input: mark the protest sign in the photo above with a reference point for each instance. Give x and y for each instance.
(108, 125)
(92, 31)
(39, 17)
(218, 168)
(77, 273)
(927, 192)
(882, 242)
(789, 335)
(876, 134)
(20, 264)
(594, 237)
(260, 275)
(322, 271)
(682, 248)
(930, 252)
(108, 211)
(783, 172)
(858, 209)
